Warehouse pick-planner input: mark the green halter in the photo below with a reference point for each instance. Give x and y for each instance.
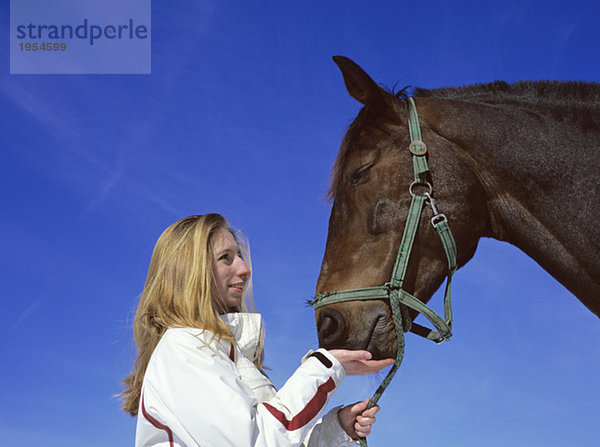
(401, 300)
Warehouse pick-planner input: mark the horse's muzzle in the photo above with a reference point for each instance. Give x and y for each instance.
(338, 327)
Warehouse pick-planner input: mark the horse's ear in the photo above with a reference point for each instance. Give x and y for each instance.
(362, 88)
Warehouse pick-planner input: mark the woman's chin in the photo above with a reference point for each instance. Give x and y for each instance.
(234, 300)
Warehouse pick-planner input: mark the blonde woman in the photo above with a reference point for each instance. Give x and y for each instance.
(198, 377)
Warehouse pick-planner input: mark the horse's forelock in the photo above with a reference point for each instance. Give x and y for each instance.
(365, 118)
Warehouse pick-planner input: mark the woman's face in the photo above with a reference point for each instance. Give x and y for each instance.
(230, 271)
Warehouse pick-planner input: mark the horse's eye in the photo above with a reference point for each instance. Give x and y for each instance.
(360, 174)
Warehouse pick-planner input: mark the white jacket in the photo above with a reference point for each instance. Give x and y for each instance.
(209, 394)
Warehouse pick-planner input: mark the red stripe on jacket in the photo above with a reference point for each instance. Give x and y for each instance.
(157, 424)
(308, 412)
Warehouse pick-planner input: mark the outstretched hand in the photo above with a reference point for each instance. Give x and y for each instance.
(359, 363)
(356, 421)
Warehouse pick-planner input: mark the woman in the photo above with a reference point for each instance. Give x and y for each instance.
(198, 377)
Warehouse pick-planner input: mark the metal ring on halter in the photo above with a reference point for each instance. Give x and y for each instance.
(412, 147)
(413, 184)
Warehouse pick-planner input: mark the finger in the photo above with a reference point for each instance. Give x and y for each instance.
(371, 366)
(348, 354)
(364, 367)
(371, 411)
(376, 365)
(358, 355)
(363, 432)
(359, 407)
(365, 421)
(379, 363)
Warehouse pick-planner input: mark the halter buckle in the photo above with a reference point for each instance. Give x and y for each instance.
(417, 147)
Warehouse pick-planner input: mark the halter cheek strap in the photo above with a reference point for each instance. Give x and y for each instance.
(400, 299)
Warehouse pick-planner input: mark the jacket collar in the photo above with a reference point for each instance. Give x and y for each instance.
(246, 328)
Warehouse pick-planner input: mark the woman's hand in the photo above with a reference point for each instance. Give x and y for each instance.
(359, 363)
(356, 421)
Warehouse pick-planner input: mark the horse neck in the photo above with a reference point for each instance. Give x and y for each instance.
(539, 173)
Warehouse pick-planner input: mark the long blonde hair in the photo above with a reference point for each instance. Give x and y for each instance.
(178, 293)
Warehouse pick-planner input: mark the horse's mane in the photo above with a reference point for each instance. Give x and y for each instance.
(551, 94)
(563, 99)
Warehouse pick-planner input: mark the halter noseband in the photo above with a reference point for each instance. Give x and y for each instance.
(400, 299)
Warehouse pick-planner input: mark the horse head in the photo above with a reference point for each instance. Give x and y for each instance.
(370, 193)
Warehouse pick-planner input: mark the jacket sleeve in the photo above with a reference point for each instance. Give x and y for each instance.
(195, 392)
(328, 432)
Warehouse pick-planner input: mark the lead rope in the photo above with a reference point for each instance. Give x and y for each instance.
(400, 299)
(410, 230)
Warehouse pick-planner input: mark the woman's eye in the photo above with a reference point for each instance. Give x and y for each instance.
(224, 257)
(360, 173)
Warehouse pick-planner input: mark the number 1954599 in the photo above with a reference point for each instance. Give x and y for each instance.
(44, 46)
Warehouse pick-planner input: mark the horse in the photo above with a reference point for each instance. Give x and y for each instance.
(515, 162)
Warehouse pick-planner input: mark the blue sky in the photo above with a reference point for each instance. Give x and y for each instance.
(243, 114)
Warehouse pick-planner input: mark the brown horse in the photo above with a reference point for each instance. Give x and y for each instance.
(518, 163)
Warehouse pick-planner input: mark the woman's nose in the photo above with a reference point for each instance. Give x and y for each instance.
(243, 270)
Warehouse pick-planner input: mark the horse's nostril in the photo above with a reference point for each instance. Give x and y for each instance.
(331, 328)
(328, 326)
